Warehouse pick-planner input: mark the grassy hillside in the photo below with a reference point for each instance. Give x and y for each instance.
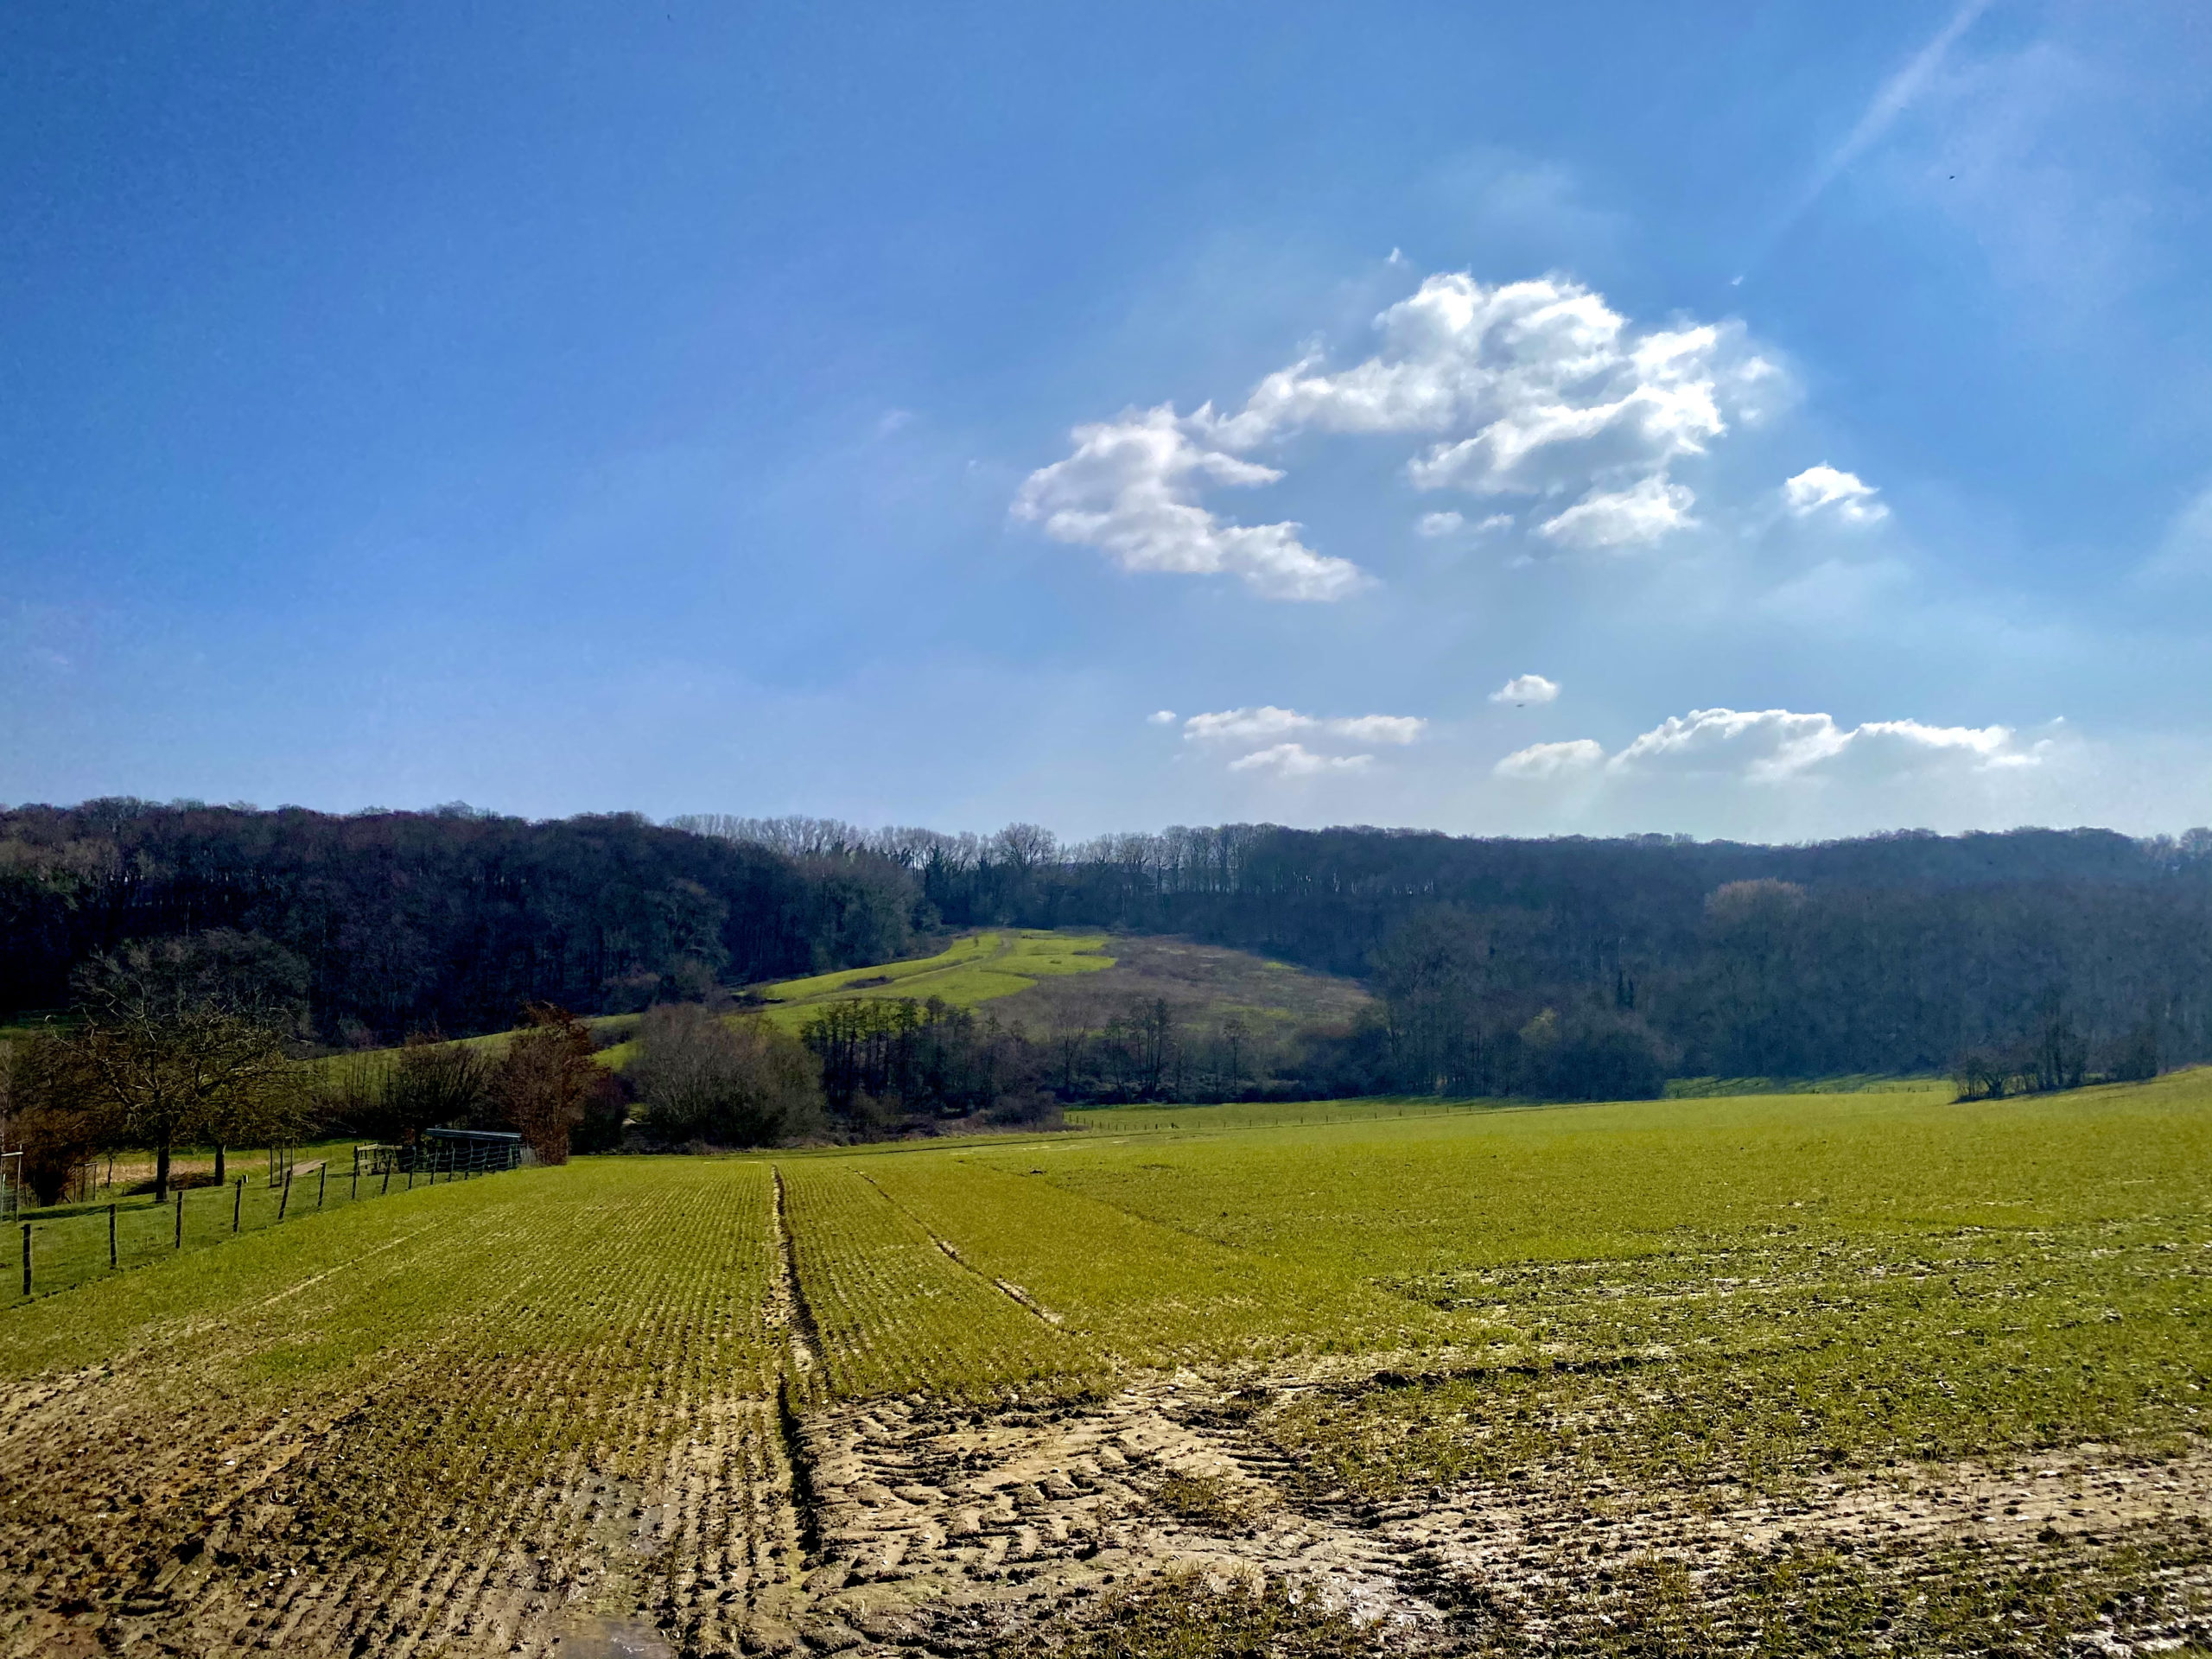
(978, 968)
(1203, 984)
(1914, 1365)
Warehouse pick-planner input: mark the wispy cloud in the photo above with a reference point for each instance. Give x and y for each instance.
(1296, 760)
(1251, 725)
(1891, 99)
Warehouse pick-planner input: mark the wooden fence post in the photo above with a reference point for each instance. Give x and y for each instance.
(179, 1218)
(287, 1197)
(27, 1258)
(111, 1235)
(387, 1178)
(237, 1204)
(321, 1180)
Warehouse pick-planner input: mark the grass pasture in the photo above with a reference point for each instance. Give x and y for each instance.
(976, 968)
(1871, 1372)
(70, 1243)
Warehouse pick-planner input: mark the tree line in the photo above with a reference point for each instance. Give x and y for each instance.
(1551, 966)
(1563, 965)
(447, 920)
(201, 1040)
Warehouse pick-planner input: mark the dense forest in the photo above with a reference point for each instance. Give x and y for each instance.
(1563, 966)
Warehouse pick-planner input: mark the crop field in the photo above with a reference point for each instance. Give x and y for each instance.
(1861, 1373)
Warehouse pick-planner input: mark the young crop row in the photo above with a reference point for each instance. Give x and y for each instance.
(1760, 1288)
(1143, 1293)
(344, 1423)
(893, 1312)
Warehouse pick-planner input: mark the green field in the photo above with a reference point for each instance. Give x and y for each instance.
(1850, 1373)
(73, 1244)
(976, 968)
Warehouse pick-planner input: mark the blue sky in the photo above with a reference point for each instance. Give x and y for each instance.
(1115, 417)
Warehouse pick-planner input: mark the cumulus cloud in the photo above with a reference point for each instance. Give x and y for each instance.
(1295, 761)
(1161, 718)
(1780, 746)
(1824, 489)
(1534, 388)
(1130, 490)
(1773, 744)
(1579, 755)
(1526, 687)
(1275, 740)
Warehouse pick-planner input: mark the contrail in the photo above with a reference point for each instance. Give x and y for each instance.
(1895, 97)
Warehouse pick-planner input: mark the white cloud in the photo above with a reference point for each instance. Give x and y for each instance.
(1264, 721)
(1780, 754)
(1532, 388)
(1128, 490)
(1526, 687)
(1775, 745)
(1570, 759)
(1246, 725)
(1644, 512)
(1295, 761)
(1161, 718)
(1270, 737)
(1377, 728)
(1845, 495)
(1433, 524)
(1257, 725)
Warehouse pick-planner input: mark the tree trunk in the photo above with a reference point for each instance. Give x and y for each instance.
(161, 1171)
(219, 1163)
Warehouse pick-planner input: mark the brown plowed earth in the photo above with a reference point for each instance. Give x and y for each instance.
(708, 1547)
(906, 1523)
(943, 1529)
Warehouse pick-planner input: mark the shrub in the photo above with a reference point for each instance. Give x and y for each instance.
(48, 1118)
(730, 1081)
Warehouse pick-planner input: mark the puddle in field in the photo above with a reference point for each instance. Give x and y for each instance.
(597, 1636)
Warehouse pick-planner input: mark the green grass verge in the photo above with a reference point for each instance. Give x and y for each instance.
(70, 1242)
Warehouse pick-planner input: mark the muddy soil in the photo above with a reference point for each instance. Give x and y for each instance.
(938, 1528)
(904, 1524)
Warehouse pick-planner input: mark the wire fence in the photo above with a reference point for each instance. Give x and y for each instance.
(72, 1244)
